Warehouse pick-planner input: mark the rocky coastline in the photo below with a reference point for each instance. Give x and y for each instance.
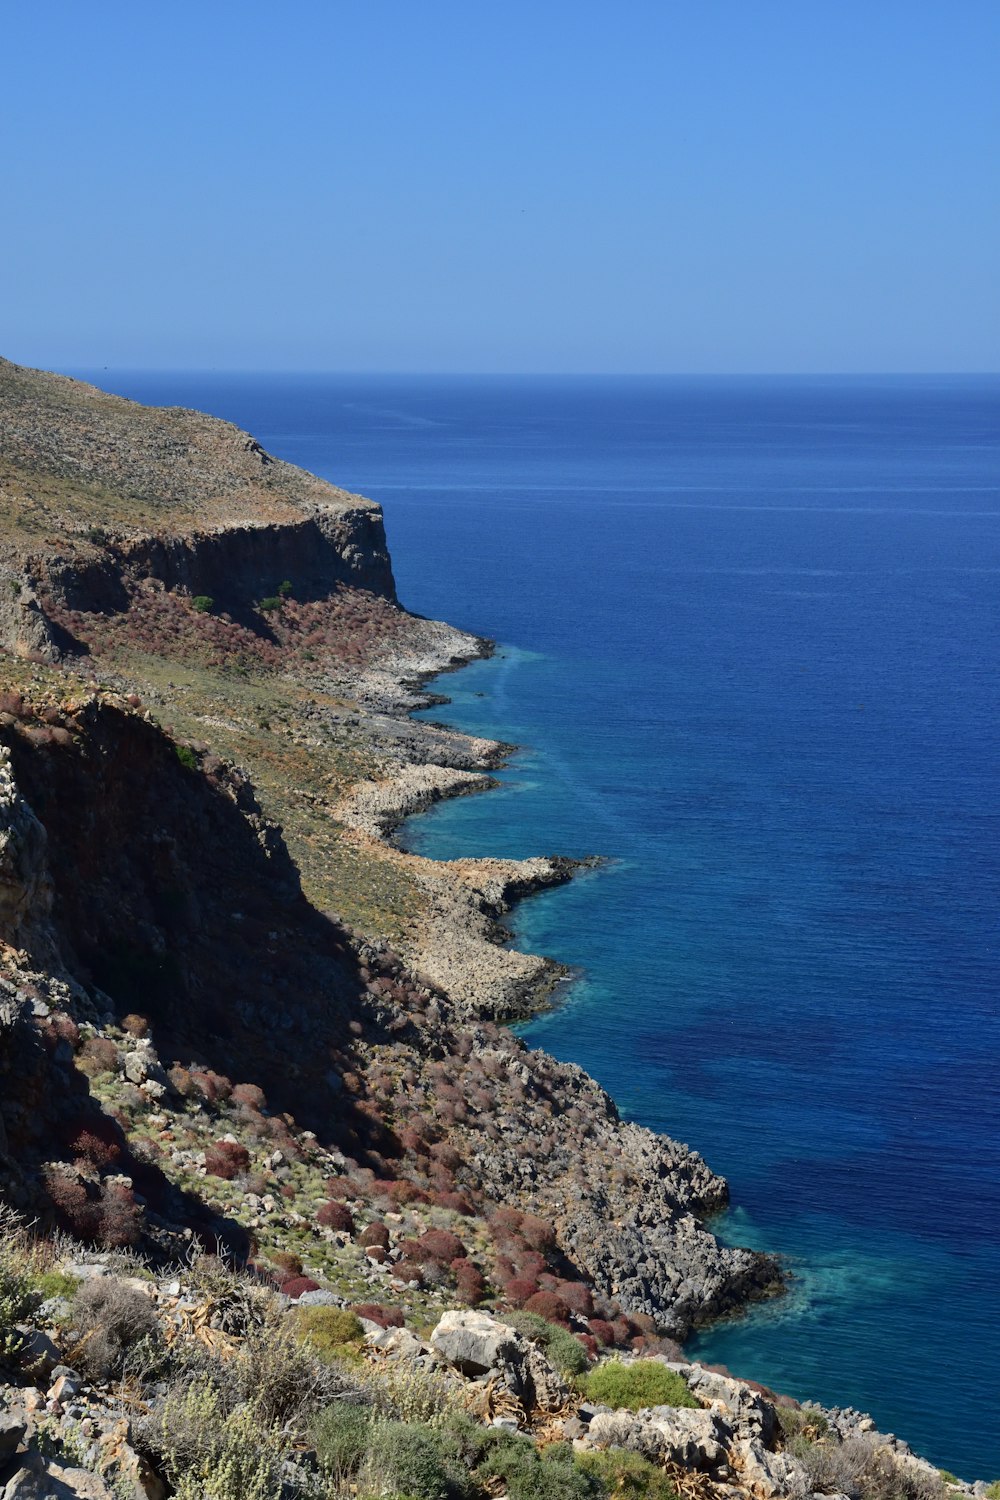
(235, 1014)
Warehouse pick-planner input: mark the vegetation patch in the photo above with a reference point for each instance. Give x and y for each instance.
(632, 1387)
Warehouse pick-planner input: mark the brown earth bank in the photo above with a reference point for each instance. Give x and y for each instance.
(232, 1013)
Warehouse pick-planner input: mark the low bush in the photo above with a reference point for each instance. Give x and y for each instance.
(17, 1297)
(548, 1305)
(550, 1475)
(283, 1379)
(645, 1383)
(331, 1332)
(336, 1216)
(801, 1424)
(628, 1475)
(98, 1055)
(202, 603)
(226, 1159)
(115, 1323)
(296, 1285)
(404, 1458)
(385, 1317)
(563, 1349)
(340, 1435)
(407, 1393)
(211, 1451)
(866, 1470)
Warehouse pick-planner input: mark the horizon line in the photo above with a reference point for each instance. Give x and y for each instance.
(179, 369)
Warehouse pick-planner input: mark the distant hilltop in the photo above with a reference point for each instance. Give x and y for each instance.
(100, 495)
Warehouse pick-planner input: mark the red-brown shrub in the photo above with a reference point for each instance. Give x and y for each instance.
(548, 1305)
(577, 1296)
(120, 1221)
(519, 1291)
(538, 1233)
(458, 1203)
(529, 1265)
(250, 1096)
(64, 1028)
(589, 1343)
(211, 1086)
(385, 1317)
(505, 1223)
(470, 1282)
(375, 1233)
(296, 1285)
(99, 1141)
(445, 1153)
(408, 1270)
(405, 1192)
(99, 1055)
(182, 1081)
(285, 1261)
(135, 1025)
(604, 1332)
(75, 1211)
(336, 1216)
(226, 1159)
(441, 1244)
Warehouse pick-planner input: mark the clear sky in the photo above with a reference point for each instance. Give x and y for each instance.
(510, 185)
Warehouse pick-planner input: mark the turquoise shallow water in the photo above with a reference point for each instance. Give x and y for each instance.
(748, 639)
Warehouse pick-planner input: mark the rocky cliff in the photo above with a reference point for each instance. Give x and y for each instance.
(205, 747)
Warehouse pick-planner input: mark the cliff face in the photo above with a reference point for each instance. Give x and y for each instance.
(103, 496)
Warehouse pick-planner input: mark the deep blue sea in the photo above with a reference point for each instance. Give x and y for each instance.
(749, 641)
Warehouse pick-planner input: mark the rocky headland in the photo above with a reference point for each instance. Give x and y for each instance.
(236, 1017)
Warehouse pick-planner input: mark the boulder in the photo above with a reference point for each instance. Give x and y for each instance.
(695, 1439)
(475, 1343)
(767, 1474)
(744, 1408)
(479, 1346)
(12, 1430)
(41, 1478)
(38, 1350)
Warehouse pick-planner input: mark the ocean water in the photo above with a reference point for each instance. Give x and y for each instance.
(748, 640)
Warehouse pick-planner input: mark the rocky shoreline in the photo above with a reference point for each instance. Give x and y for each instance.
(462, 948)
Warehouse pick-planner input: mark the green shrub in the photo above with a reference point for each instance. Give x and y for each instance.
(801, 1426)
(17, 1292)
(551, 1475)
(564, 1351)
(628, 1475)
(214, 1453)
(406, 1459)
(187, 757)
(993, 1490)
(340, 1434)
(284, 589)
(270, 604)
(202, 603)
(332, 1333)
(49, 1284)
(645, 1383)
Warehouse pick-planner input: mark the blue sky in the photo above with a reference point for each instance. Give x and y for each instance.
(678, 186)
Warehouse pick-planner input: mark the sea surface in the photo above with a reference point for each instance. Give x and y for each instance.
(748, 638)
